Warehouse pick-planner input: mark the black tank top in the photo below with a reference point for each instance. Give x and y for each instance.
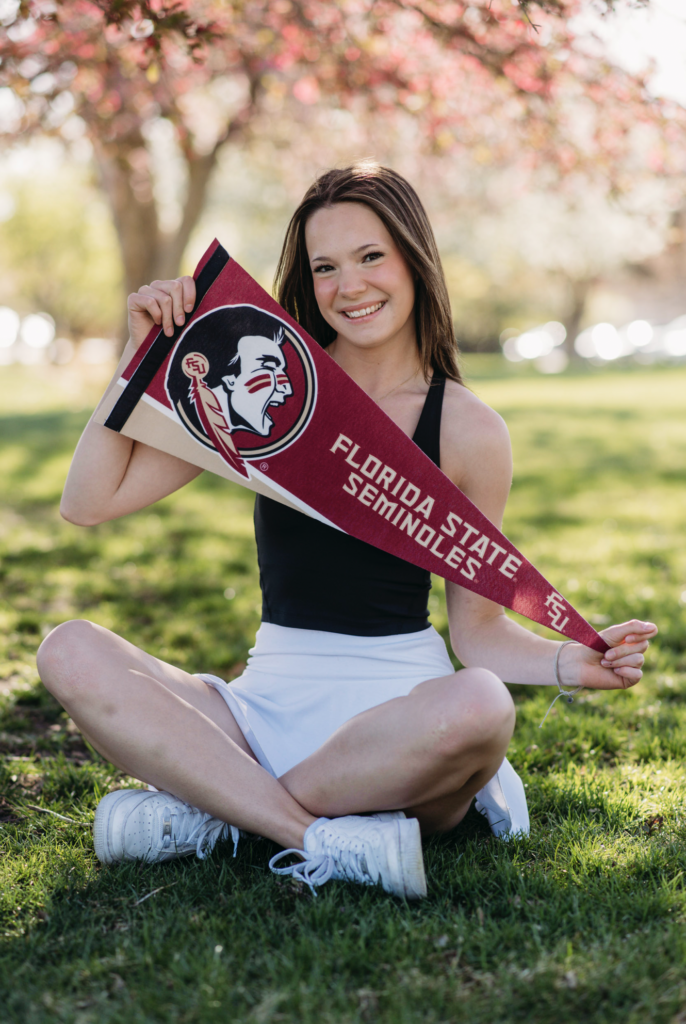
(315, 577)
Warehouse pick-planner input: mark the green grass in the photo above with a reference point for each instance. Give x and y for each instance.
(584, 920)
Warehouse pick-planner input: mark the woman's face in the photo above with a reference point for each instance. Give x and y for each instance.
(363, 286)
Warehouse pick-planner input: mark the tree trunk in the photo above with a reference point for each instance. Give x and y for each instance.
(172, 247)
(126, 177)
(146, 253)
(579, 294)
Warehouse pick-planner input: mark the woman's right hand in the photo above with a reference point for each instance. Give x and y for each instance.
(163, 303)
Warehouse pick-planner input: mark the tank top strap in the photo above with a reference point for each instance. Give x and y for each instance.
(427, 436)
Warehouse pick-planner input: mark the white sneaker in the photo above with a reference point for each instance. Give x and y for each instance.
(134, 824)
(383, 850)
(502, 801)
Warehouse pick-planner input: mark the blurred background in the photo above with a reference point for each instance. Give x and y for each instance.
(548, 142)
(548, 146)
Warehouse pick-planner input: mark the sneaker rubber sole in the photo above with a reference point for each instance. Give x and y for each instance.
(412, 877)
(104, 847)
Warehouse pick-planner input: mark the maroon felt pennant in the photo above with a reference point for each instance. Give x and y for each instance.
(243, 391)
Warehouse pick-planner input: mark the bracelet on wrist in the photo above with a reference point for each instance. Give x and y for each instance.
(569, 694)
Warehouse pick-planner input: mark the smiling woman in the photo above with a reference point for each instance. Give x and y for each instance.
(348, 734)
(375, 274)
(379, 206)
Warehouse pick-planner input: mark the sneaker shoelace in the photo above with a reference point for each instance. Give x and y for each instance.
(346, 855)
(314, 870)
(193, 826)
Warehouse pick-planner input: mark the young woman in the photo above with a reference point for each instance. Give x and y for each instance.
(349, 733)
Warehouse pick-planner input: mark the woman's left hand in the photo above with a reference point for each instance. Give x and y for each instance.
(617, 669)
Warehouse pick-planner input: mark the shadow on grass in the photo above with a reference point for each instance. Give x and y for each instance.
(583, 920)
(192, 940)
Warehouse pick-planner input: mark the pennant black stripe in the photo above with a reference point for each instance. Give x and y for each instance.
(162, 346)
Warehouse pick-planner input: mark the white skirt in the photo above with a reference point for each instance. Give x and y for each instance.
(301, 685)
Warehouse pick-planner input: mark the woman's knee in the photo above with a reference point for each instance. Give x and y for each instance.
(61, 656)
(476, 711)
(489, 692)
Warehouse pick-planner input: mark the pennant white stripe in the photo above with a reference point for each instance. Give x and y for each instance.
(303, 506)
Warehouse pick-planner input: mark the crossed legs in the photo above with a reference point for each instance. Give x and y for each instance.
(428, 752)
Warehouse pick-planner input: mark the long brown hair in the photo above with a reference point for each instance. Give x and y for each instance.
(397, 204)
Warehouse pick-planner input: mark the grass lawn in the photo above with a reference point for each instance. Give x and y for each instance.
(584, 920)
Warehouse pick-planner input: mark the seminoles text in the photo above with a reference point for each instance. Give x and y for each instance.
(401, 503)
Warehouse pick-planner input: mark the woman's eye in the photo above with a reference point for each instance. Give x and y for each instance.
(323, 268)
(372, 256)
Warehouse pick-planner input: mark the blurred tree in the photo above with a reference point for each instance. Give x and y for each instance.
(58, 253)
(576, 236)
(476, 74)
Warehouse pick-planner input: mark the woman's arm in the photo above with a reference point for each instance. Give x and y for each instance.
(476, 455)
(111, 475)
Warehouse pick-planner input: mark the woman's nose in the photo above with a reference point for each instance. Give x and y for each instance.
(351, 283)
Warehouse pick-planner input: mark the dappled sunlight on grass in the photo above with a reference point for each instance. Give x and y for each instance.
(582, 920)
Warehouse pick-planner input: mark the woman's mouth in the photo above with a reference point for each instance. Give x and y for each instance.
(366, 311)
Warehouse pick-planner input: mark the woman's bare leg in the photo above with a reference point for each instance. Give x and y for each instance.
(429, 753)
(162, 725)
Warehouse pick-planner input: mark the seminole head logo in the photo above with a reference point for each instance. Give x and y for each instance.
(242, 382)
